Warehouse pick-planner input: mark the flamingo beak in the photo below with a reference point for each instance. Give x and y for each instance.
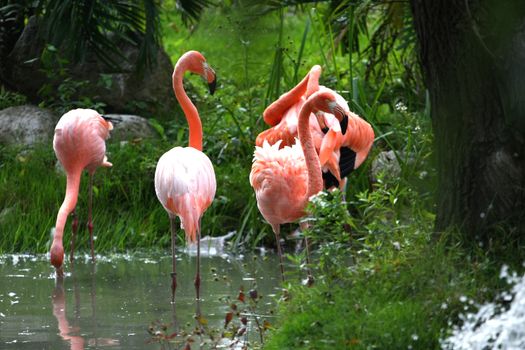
(111, 119)
(340, 113)
(344, 124)
(321, 121)
(212, 84)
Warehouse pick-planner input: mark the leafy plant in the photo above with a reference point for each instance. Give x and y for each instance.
(330, 229)
(61, 92)
(10, 99)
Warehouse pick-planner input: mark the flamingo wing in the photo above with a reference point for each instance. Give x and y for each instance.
(185, 185)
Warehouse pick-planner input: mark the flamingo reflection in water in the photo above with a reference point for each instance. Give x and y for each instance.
(69, 333)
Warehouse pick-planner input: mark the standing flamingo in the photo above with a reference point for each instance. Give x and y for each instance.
(79, 144)
(285, 179)
(184, 178)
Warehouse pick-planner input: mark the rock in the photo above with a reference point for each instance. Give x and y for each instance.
(386, 163)
(128, 127)
(26, 125)
(124, 89)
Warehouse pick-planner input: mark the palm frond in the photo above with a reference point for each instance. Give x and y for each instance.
(191, 10)
(98, 26)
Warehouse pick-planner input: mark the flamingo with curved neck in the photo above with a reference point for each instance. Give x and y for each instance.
(184, 178)
(340, 152)
(79, 144)
(285, 178)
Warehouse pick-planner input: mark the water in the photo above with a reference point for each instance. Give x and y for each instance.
(495, 325)
(111, 304)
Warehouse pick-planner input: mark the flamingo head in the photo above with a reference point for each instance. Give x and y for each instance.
(57, 255)
(197, 64)
(325, 101)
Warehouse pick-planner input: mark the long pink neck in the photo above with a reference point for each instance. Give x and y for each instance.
(69, 204)
(273, 113)
(315, 179)
(190, 111)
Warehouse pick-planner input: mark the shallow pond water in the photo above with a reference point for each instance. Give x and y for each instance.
(112, 303)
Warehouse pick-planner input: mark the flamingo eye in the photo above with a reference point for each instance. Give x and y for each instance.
(331, 104)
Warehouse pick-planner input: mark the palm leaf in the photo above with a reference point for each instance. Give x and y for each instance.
(192, 9)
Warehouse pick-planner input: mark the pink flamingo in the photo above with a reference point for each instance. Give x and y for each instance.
(285, 179)
(184, 178)
(79, 144)
(339, 154)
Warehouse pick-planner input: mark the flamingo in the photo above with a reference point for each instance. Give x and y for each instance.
(184, 178)
(339, 154)
(285, 178)
(79, 144)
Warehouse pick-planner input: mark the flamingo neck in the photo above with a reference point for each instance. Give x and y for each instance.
(274, 113)
(69, 204)
(189, 109)
(315, 179)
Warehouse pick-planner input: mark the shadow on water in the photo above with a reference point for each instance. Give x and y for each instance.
(124, 302)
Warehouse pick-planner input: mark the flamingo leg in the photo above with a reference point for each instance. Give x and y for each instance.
(90, 221)
(173, 248)
(277, 231)
(310, 278)
(198, 274)
(74, 229)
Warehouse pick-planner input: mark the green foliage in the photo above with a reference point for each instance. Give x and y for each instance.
(330, 232)
(61, 92)
(10, 99)
(387, 283)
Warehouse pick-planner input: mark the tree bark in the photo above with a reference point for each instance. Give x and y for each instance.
(472, 54)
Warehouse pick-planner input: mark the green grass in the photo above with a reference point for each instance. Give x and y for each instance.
(393, 298)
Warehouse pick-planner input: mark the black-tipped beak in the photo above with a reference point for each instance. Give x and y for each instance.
(344, 124)
(212, 85)
(111, 119)
(343, 120)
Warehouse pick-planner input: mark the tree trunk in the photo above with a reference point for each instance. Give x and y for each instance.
(472, 54)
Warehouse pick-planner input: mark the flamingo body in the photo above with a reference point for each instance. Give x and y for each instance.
(79, 140)
(185, 186)
(285, 178)
(79, 143)
(279, 178)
